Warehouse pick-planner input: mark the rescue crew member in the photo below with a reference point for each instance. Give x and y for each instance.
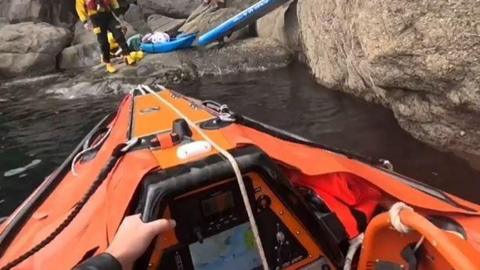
(130, 242)
(100, 14)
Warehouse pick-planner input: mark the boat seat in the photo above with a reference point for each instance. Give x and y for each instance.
(323, 213)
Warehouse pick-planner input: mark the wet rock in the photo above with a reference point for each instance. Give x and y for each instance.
(419, 58)
(254, 54)
(3, 22)
(76, 88)
(80, 56)
(30, 48)
(248, 55)
(206, 17)
(133, 13)
(81, 35)
(37, 81)
(136, 18)
(170, 8)
(57, 12)
(21, 10)
(4, 6)
(162, 23)
(282, 26)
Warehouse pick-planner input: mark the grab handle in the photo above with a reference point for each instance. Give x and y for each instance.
(415, 222)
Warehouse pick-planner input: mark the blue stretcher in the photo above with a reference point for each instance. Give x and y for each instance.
(239, 21)
(177, 43)
(233, 24)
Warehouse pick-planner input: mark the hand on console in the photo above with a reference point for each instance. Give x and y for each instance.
(133, 238)
(130, 242)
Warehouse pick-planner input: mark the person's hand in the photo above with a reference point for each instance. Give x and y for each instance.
(88, 26)
(133, 238)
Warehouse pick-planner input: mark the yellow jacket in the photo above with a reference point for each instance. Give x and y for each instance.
(84, 13)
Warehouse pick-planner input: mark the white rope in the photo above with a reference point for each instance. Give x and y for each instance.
(137, 89)
(235, 167)
(355, 243)
(97, 144)
(395, 220)
(419, 243)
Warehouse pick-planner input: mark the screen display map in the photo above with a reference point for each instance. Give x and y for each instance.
(234, 249)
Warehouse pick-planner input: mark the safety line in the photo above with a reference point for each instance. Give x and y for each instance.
(235, 167)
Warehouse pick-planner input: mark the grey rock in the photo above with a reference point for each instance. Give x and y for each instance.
(242, 56)
(162, 23)
(253, 54)
(30, 48)
(57, 12)
(136, 18)
(16, 64)
(82, 87)
(419, 58)
(282, 26)
(206, 17)
(133, 13)
(26, 10)
(3, 22)
(80, 56)
(81, 35)
(248, 55)
(4, 6)
(170, 8)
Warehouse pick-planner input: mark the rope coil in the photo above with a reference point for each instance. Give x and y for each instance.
(395, 220)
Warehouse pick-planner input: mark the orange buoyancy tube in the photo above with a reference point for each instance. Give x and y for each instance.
(97, 222)
(312, 161)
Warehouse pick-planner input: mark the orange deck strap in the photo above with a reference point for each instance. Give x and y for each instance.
(165, 140)
(452, 252)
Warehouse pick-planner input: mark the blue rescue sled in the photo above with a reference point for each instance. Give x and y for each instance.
(240, 20)
(180, 42)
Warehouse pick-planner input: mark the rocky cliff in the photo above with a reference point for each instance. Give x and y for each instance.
(420, 58)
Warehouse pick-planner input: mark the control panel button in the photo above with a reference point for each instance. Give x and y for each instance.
(263, 202)
(280, 237)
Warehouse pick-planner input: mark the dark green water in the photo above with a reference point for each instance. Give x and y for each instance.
(43, 128)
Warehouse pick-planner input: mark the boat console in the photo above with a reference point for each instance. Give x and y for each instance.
(213, 231)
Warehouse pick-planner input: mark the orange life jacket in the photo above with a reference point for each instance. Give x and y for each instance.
(98, 4)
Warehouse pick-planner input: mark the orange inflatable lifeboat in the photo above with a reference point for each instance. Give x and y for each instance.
(245, 196)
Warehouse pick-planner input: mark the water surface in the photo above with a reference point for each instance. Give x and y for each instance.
(41, 128)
